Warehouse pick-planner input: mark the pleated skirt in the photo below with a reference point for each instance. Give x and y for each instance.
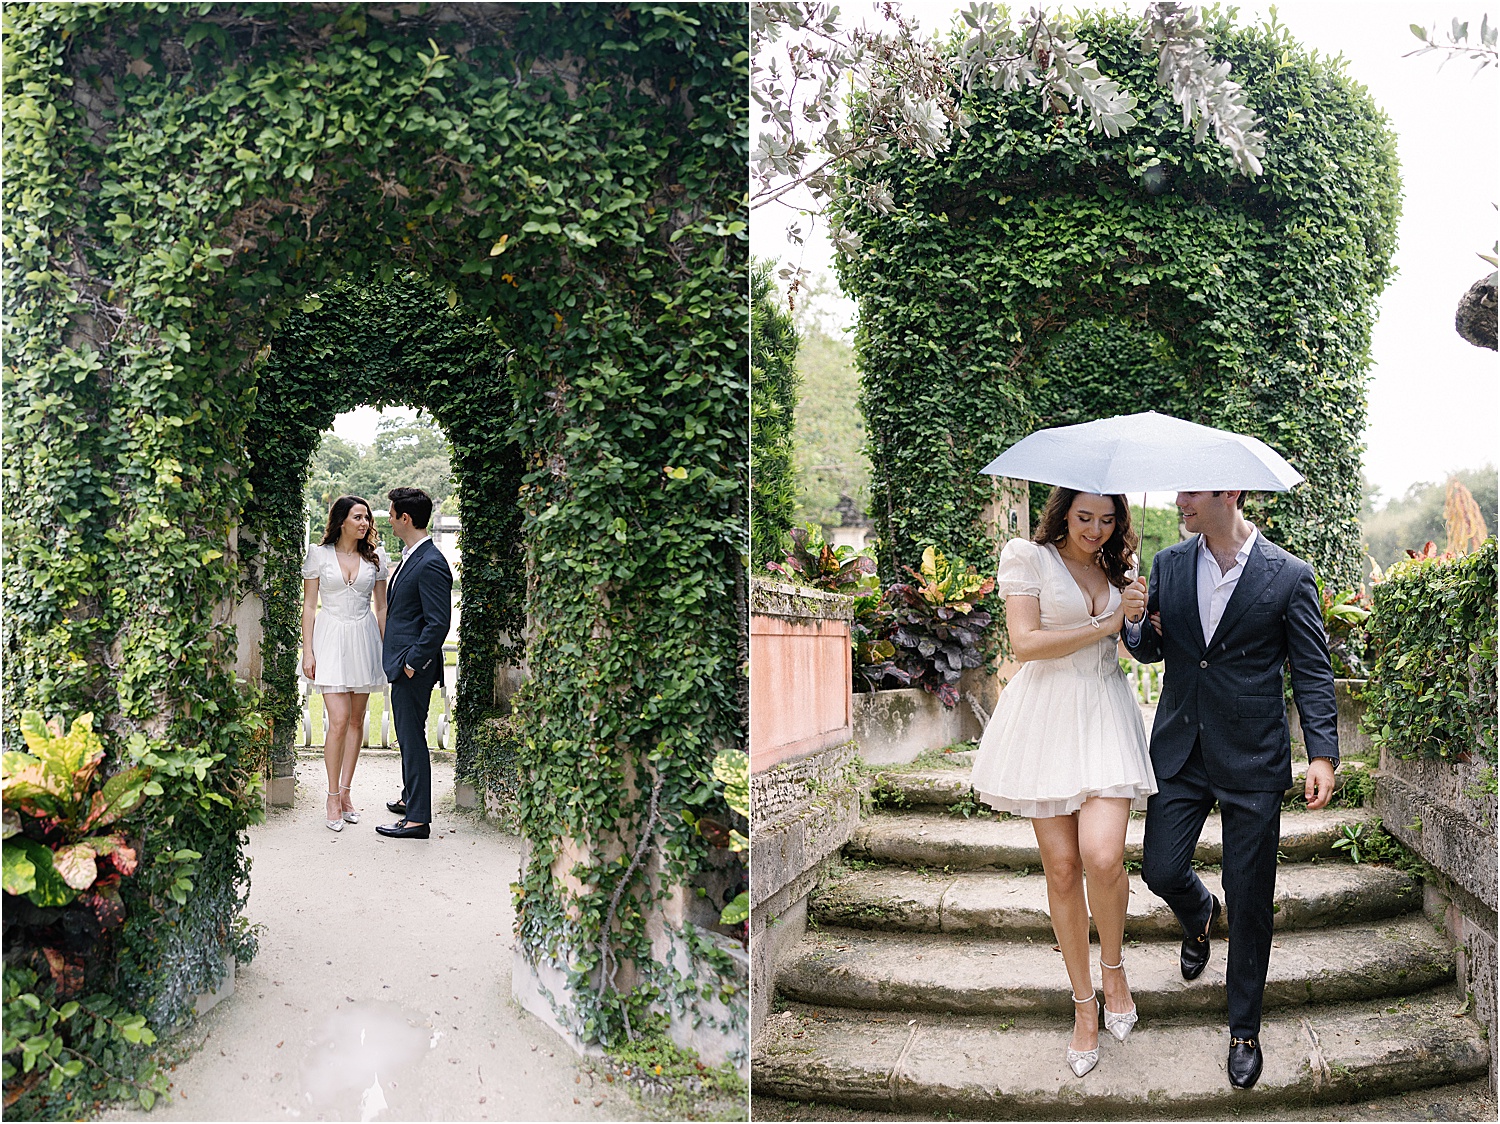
(1060, 735)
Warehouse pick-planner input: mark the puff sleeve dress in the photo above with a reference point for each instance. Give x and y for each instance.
(1064, 729)
(346, 636)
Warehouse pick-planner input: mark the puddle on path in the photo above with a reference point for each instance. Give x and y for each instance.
(357, 1064)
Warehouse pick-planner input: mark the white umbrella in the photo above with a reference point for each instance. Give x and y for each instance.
(1147, 452)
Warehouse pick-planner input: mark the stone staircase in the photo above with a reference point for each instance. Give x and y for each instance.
(929, 985)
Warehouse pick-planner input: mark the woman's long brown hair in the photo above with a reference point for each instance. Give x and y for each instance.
(336, 516)
(1118, 551)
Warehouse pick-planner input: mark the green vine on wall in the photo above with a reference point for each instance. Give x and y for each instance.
(181, 182)
(1431, 691)
(1033, 236)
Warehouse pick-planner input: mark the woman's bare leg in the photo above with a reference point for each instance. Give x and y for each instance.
(353, 739)
(1101, 843)
(335, 737)
(1057, 838)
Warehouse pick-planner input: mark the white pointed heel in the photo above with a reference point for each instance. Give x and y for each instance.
(351, 816)
(338, 824)
(1119, 1023)
(1081, 1061)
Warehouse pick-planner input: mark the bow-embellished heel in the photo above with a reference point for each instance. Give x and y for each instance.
(1081, 1061)
(351, 816)
(1119, 1023)
(337, 823)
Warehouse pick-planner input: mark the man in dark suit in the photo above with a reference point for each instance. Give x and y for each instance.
(417, 614)
(1224, 611)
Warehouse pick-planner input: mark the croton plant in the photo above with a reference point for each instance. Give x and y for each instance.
(60, 851)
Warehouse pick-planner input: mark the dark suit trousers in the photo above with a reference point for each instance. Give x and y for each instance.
(1252, 830)
(410, 698)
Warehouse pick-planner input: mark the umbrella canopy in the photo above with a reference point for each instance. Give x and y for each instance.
(1147, 452)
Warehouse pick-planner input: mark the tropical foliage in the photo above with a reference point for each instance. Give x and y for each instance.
(811, 561)
(413, 452)
(1345, 615)
(1416, 517)
(940, 627)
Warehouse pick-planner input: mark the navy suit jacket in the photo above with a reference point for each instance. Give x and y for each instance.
(417, 614)
(1228, 693)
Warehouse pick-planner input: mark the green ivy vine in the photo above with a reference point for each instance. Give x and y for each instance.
(1432, 636)
(197, 198)
(1027, 276)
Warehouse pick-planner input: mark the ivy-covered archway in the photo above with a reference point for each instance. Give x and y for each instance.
(1038, 273)
(183, 186)
(395, 344)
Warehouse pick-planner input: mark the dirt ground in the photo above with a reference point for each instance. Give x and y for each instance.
(382, 986)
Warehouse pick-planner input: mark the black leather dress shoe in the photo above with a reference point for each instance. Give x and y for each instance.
(403, 830)
(396, 807)
(1195, 948)
(1244, 1062)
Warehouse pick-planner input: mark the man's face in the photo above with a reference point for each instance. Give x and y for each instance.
(1204, 510)
(398, 522)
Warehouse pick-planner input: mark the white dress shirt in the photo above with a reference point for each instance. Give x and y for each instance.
(1215, 588)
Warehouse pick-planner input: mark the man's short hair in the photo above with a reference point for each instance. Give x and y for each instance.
(1240, 502)
(413, 502)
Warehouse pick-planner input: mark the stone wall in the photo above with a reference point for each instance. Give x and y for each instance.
(1353, 741)
(892, 727)
(804, 787)
(1445, 812)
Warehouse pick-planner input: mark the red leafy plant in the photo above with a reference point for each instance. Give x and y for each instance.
(60, 857)
(939, 626)
(811, 561)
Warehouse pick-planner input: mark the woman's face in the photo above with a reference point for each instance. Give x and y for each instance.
(357, 522)
(1091, 520)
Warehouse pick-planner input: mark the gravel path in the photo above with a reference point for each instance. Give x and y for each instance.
(382, 987)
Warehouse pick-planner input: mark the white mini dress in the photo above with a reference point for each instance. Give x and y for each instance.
(346, 636)
(1064, 729)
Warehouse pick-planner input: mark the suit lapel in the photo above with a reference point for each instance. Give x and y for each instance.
(1260, 567)
(402, 570)
(1184, 595)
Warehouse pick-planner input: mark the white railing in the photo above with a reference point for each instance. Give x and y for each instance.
(444, 724)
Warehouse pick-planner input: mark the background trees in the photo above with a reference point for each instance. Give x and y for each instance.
(407, 451)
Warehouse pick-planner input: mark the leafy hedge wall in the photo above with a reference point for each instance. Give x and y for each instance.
(773, 419)
(1432, 636)
(181, 181)
(1033, 235)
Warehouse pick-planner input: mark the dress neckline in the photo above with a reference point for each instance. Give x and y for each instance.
(1083, 594)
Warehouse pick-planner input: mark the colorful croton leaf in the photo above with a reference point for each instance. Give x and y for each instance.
(53, 812)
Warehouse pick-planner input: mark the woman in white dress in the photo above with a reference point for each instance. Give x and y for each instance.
(341, 645)
(1066, 746)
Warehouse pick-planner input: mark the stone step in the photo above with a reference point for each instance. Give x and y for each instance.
(1010, 904)
(945, 787)
(926, 1066)
(917, 839)
(986, 976)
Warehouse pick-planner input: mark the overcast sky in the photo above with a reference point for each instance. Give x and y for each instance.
(1434, 406)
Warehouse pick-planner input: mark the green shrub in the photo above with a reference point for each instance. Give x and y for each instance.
(1432, 639)
(773, 418)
